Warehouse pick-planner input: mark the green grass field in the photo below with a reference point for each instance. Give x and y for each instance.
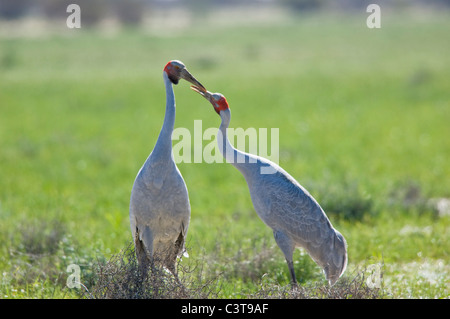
(363, 118)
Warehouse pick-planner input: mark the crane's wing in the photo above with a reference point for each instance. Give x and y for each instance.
(294, 211)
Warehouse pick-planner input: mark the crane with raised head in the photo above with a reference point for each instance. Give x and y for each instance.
(294, 216)
(159, 204)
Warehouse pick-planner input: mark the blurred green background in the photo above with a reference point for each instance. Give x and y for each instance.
(363, 117)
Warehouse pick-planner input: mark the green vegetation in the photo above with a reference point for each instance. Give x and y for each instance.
(364, 126)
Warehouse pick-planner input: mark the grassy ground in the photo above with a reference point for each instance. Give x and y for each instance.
(363, 119)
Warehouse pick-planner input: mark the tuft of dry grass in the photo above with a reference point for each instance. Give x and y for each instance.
(348, 287)
(122, 278)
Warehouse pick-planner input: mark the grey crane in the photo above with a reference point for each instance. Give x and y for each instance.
(295, 217)
(159, 204)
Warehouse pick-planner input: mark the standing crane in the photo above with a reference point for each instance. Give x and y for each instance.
(159, 204)
(295, 217)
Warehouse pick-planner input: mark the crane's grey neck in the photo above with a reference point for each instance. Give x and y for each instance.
(165, 136)
(232, 155)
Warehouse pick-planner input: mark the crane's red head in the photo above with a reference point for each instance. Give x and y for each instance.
(218, 101)
(176, 70)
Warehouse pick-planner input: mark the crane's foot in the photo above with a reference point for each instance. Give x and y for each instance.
(294, 285)
(292, 273)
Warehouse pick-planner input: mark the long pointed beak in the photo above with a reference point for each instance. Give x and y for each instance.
(203, 92)
(190, 78)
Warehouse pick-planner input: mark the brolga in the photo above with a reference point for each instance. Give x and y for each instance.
(294, 216)
(159, 204)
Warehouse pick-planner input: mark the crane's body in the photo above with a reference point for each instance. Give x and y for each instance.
(294, 216)
(159, 204)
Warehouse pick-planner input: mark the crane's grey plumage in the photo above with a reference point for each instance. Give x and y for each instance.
(295, 217)
(159, 203)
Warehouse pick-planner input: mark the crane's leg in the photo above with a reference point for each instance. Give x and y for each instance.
(143, 242)
(287, 247)
(174, 253)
